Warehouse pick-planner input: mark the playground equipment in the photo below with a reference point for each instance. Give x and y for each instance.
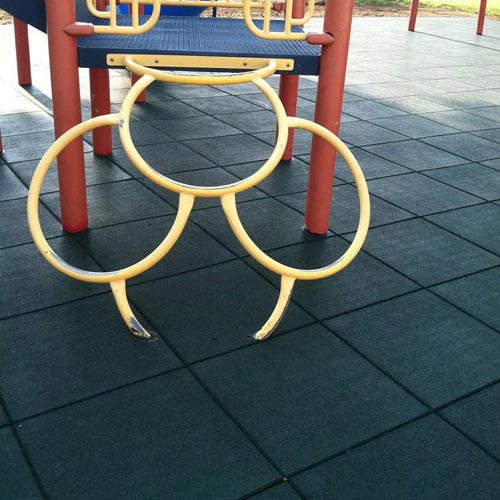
(249, 51)
(480, 16)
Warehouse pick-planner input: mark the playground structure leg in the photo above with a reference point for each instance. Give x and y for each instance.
(142, 96)
(480, 17)
(338, 20)
(22, 52)
(63, 59)
(413, 15)
(100, 103)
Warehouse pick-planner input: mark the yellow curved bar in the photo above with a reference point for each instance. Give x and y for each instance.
(186, 202)
(229, 206)
(203, 192)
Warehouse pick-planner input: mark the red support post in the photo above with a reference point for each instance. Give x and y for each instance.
(1, 143)
(142, 96)
(413, 15)
(67, 113)
(333, 65)
(289, 87)
(100, 104)
(22, 52)
(480, 17)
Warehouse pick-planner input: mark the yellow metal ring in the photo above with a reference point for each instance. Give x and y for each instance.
(185, 205)
(203, 192)
(229, 206)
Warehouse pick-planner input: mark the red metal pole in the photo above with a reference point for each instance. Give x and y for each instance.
(67, 113)
(142, 96)
(480, 17)
(22, 52)
(1, 143)
(338, 20)
(289, 87)
(100, 104)
(413, 15)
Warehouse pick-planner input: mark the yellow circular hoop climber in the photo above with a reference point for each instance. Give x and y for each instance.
(188, 193)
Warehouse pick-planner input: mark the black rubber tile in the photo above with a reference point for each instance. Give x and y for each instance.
(213, 310)
(425, 252)
(457, 84)
(22, 123)
(316, 396)
(3, 418)
(419, 194)
(198, 127)
(58, 356)
(427, 459)
(117, 202)
(29, 146)
(492, 135)
(165, 434)
(164, 110)
(414, 126)
(14, 228)
(365, 133)
(370, 110)
(125, 244)
(473, 178)
(490, 112)
(152, 94)
(347, 289)
(457, 101)
(10, 186)
(461, 120)
(466, 145)
(426, 344)
(16, 480)
(262, 101)
(18, 104)
(268, 222)
(241, 88)
(476, 294)
(223, 105)
(98, 170)
(281, 492)
(492, 163)
(208, 177)
(344, 210)
(301, 143)
(30, 283)
(191, 91)
(231, 150)
(478, 224)
(165, 158)
(413, 104)
(372, 166)
(477, 417)
(252, 122)
(415, 155)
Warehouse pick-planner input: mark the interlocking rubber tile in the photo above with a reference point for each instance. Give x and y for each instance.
(345, 209)
(198, 127)
(125, 244)
(262, 101)
(117, 202)
(231, 150)
(209, 177)
(301, 143)
(22, 123)
(419, 194)
(492, 135)
(98, 170)
(16, 479)
(466, 145)
(165, 158)
(491, 112)
(213, 310)
(14, 228)
(428, 345)
(240, 88)
(58, 356)
(252, 122)
(458, 100)
(162, 435)
(316, 396)
(153, 94)
(280, 492)
(473, 178)
(492, 97)
(492, 163)
(425, 252)
(457, 84)
(18, 104)
(363, 282)
(477, 417)
(191, 91)
(364, 133)
(415, 155)
(414, 126)
(370, 110)
(413, 104)
(10, 186)
(30, 283)
(268, 222)
(478, 224)
(223, 105)
(426, 459)
(476, 294)
(164, 110)
(462, 120)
